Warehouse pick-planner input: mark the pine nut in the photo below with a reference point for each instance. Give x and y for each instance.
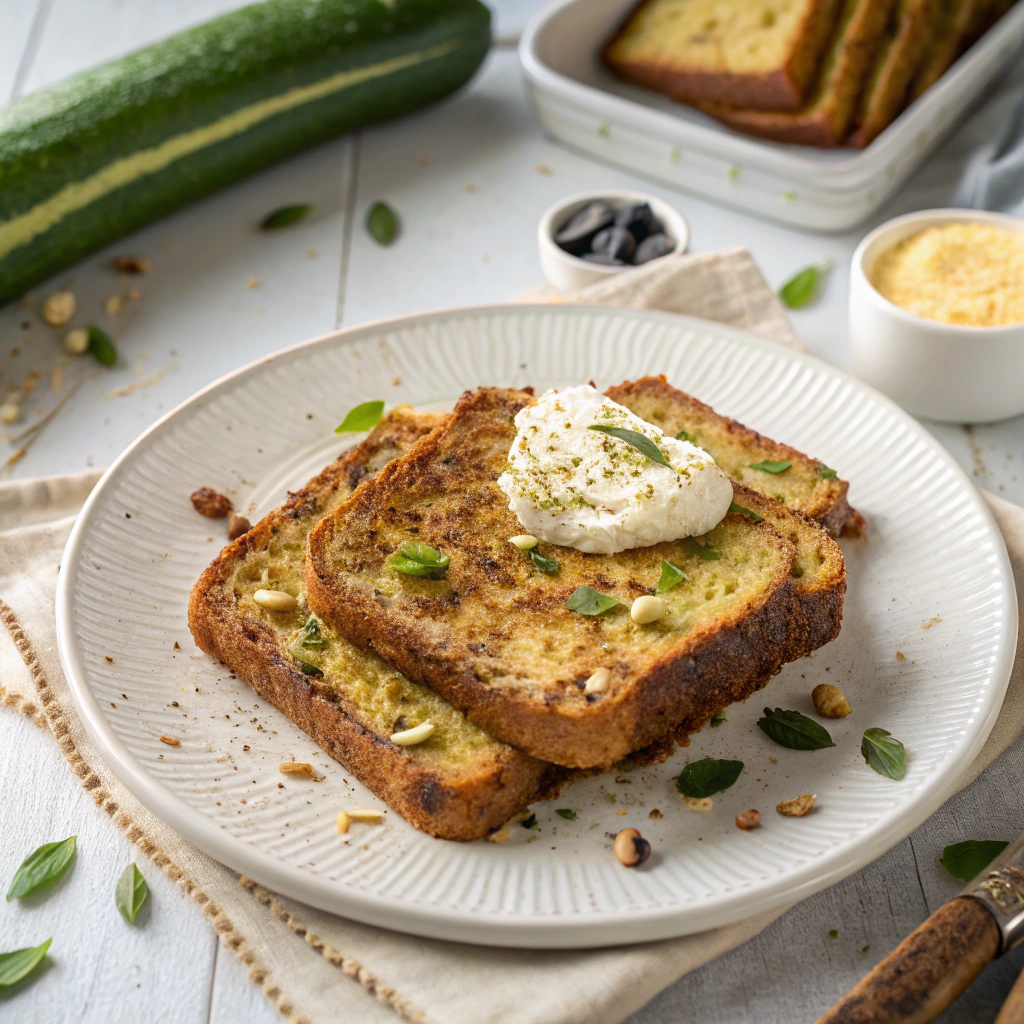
(524, 541)
(76, 341)
(369, 817)
(10, 412)
(275, 600)
(748, 820)
(417, 734)
(598, 682)
(343, 822)
(631, 848)
(59, 308)
(829, 701)
(647, 609)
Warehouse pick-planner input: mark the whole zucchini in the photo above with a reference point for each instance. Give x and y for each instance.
(109, 150)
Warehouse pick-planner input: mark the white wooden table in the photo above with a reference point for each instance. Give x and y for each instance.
(469, 180)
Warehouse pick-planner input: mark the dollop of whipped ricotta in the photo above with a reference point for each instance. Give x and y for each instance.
(589, 490)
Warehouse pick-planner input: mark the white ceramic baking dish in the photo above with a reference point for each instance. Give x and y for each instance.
(582, 104)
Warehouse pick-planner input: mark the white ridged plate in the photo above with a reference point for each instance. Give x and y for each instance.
(932, 555)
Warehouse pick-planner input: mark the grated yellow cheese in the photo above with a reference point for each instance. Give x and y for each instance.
(960, 273)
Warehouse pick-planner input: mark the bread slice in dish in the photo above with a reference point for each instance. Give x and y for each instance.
(824, 120)
(494, 636)
(962, 21)
(899, 58)
(460, 783)
(762, 54)
(808, 485)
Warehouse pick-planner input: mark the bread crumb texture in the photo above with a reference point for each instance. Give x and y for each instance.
(961, 273)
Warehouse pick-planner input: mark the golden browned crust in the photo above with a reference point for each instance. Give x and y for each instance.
(655, 400)
(458, 803)
(783, 88)
(464, 636)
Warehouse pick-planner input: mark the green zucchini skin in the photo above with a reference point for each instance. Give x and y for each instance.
(409, 52)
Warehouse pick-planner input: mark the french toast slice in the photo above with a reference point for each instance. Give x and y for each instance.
(824, 119)
(494, 635)
(808, 485)
(761, 54)
(460, 783)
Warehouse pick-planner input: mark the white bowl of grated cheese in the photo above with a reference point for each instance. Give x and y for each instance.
(937, 314)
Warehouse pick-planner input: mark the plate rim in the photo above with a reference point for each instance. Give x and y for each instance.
(554, 931)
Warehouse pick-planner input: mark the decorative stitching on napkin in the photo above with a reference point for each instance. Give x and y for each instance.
(53, 715)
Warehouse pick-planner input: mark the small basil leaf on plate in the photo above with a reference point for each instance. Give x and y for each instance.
(363, 417)
(20, 963)
(793, 730)
(749, 513)
(542, 561)
(641, 442)
(310, 636)
(382, 223)
(670, 576)
(968, 859)
(419, 559)
(101, 347)
(567, 813)
(826, 471)
(717, 719)
(691, 547)
(884, 753)
(587, 601)
(772, 467)
(130, 893)
(42, 866)
(704, 778)
(284, 216)
(530, 822)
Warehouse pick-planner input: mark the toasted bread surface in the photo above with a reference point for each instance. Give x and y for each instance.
(761, 54)
(824, 119)
(955, 31)
(494, 636)
(807, 486)
(460, 783)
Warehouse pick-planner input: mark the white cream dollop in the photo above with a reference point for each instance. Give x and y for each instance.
(589, 490)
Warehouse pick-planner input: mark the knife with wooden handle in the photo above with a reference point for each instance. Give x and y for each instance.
(937, 961)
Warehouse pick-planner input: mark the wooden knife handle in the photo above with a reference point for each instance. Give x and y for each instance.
(1013, 1009)
(926, 971)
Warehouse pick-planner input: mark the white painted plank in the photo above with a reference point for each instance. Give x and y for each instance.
(235, 998)
(510, 17)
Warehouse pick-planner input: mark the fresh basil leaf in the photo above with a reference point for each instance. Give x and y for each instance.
(717, 719)
(749, 513)
(530, 822)
(967, 860)
(772, 467)
(682, 435)
(310, 636)
(793, 730)
(643, 444)
(419, 559)
(130, 893)
(826, 471)
(284, 216)
(17, 965)
(700, 779)
(691, 547)
(542, 562)
(567, 813)
(884, 753)
(671, 576)
(382, 223)
(363, 417)
(587, 601)
(101, 347)
(42, 866)
(799, 289)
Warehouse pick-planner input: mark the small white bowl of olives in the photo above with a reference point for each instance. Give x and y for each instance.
(589, 236)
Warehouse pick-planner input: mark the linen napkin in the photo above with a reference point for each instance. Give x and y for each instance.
(318, 968)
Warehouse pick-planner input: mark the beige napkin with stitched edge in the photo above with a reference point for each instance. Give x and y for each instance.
(318, 968)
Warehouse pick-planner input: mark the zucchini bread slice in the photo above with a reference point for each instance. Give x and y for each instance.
(808, 485)
(494, 635)
(460, 783)
(762, 54)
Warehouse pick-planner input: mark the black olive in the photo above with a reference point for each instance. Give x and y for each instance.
(617, 242)
(603, 258)
(637, 219)
(576, 234)
(651, 248)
